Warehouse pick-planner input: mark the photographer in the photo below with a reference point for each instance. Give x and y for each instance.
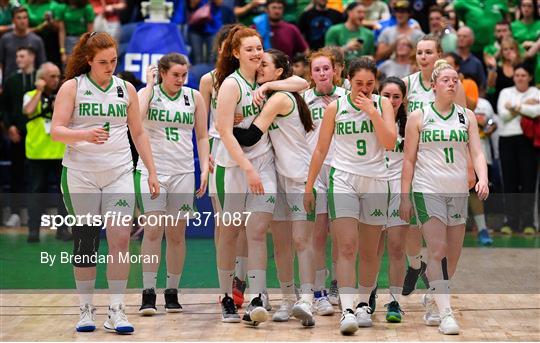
(44, 156)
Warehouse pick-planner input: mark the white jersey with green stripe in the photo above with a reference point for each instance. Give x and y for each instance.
(356, 147)
(418, 95)
(317, 103)
(249, 110)
(290, 142)
(169, 123)
(212, 132)
(94, 108)
(441, 161)
(394, 159)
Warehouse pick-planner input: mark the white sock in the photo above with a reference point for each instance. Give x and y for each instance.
(480, 221)
(306, 292)
(395, 293)
(240, 270)
(414, 261)
(149, 280)
(173, 280)
(320, 279)
(287, 289)
(347, 296)
(117, 289)
(334, 270)
(225, 281)
(441, 293)
(257, 282)
(85, 289)
(364, 293)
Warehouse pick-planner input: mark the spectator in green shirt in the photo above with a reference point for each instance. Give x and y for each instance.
(353, 39)
(526, 30)
(481, 16)
(42, 15)
(5, 16)
(76, 18)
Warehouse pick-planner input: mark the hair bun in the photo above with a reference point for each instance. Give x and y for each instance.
(440, 63)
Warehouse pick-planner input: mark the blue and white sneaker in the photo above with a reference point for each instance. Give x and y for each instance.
(483, 238)
(87, 320)
(117, 321)
(321, 304)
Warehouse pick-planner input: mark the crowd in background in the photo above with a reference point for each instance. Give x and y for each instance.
(494, 44)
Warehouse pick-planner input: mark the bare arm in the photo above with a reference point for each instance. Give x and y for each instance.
(385, 125)
(278, 104)
(326, 134)
(477, 155)
(201, 134)
(63, 110)
(205, 88)
(30, 107)
(383, 51)
(228, 96)
(145, 94)
(290, 84)
(412, 135)
(139, 136)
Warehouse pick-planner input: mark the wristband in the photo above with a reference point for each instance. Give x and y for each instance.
(62, 50)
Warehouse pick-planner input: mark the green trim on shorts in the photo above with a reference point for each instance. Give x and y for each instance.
(331, 203)
(220, 185)
(137, 183)
(389, 196)
(420, 205)
(211, 142)
(65, 189)
(310, 216)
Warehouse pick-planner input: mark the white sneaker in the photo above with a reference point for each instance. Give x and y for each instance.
(87, 319)
(284, 311)
(448, 325)
(117, 321)
(363, 315)
(333, 293)
(266, 300)
(348, 324)
(302, 311)
(13, 221)
(431, 317)
(322, 306)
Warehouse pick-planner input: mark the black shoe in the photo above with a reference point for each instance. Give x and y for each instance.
(171, 300)
(148, 304)
(373, 298)
(33, 236)
(255, 312)
(229, 313)
(64, 235)
(409, 285)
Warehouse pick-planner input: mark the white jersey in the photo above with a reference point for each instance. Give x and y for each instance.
(317, 103)
(418, 96)
(356, 147)
(169, 123)
(441, 162)
(94, 108)
(290, 142)
(394, 159)
(346, 85)
(249, 110)
(212, 132)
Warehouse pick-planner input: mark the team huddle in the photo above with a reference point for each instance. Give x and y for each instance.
(334, 157)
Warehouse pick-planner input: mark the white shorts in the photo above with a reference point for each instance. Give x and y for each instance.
(321, 188)
(176, 194)
(214, 143)
(359, 197)
(233, 192)
(97, 193)
(290, 201)
(393, 207)
(451, 210)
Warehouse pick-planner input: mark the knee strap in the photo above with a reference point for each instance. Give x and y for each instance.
(85, 245)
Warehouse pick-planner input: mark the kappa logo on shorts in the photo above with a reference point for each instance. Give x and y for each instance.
(395, 214)
(271, 199)
(121, 203)
(295, 209)
(456, 216)
(185, 208)
(88, 93)
(377, 213)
